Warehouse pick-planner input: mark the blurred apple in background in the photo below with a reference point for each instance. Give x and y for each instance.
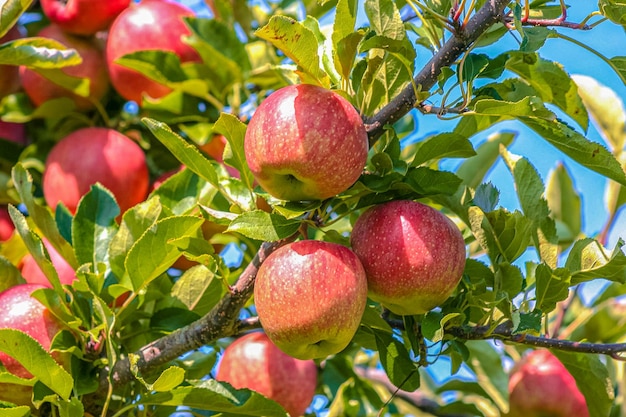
(254, 362)
(106, 156)
(83, 17)
(93, 66)
(149, 25)
(14, 132)
(33, 274)
(6, 224)
(9, 74)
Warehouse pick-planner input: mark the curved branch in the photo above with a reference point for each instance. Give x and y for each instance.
(488, 15)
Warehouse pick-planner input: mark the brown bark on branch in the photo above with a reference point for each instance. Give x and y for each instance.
(491, 13)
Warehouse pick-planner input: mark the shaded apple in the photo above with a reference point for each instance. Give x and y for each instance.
(413, 255)
(9, 74)
(305, 143)
(254, 362)
(149, 25)
(310, 296)
(6, 224)
(83, 17)
(93, 66)
(91, 155)
(539, 385)
(14, 132)
(33, 274)
(20, 311)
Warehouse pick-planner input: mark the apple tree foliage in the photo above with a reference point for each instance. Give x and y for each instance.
(155, 350)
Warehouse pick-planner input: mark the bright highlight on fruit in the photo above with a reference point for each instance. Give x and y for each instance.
(310, 296)
(413, 255)
(306, 143)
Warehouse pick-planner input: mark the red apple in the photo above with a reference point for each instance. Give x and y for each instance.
(6, 224)
(39, 89)
(149, 25)
(9, 76)
(413, 255)
(14, 132)
(83, 17)
(91, 155)
(310, 296)
(20, 311)
(254, 362)
(34, 275)
(539, 385)
(306, 143)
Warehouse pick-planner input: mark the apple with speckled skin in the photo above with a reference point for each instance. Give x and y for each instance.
(33, 274)
(93, 66)
(106, 156)
(141, 27)
(540, 385)
(83, 17)
(254, 362)
(305, 143)
(310, 296)
(20, 311)
(413, 255)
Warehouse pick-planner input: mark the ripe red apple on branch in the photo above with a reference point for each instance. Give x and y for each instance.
(539, 385)
(91, 155)
(254, 362)
(93, 66)
(20, 311)
(310, 296)
(149, 25)
(6, 224)
(306, 143)
(83, 17)
(413, 255)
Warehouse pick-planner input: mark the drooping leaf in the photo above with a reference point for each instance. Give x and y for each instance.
(298, 43)
(264, 226)
(38, 53)
(486, 363)
(394, 357)
(442, 145)
(216, 396)
(551, 286)
(473, 170)
(30, 354)
(235, 131)
(564, 203)
(10, 11)
(589, 260)
(199, 289)
(614, 10)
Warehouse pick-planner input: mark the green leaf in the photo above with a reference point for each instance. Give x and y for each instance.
(442, 145)
(589, 260)
(298, 43)
(345, 39)
(486, 363)
(9, 273)
(619, 65)
(434, 323)
(234, 155)
(473, 170)
(187, 153)
(216, 396)
(30, 354)
(151, 255)
(385, 18)
(199, 289)
(564, 204)
(605, 108)
(181, 192)
(592, 378)
(614, 10)
(551, 82)
(94, 225)
(10, 11)
(552, 287)
(395, 359)
(78, 86)
(20, 411)
(168, 380)
(264, 226)
(473, 66)
(38, 53)
(589, 154)
(426, 181)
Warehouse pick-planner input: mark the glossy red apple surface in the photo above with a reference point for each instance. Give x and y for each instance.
(83, 17)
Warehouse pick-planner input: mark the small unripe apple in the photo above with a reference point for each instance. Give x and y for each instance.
(9, 75)
(149, 25)
(83, 17)
(22, 312)
(310, 296)
(33, 274)
(306, 143)
(254, 362)
(91, 155)
(539, 385)
(6, 224)
(413, 255)
(93, 66)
